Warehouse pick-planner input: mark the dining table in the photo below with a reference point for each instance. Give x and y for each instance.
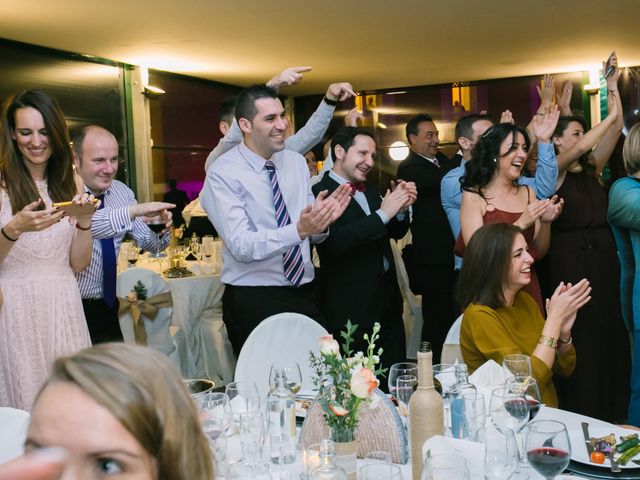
(197, 312)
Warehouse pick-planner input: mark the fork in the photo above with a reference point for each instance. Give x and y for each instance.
(614, 465)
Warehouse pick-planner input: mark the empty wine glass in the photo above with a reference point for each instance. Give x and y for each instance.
(548, 448)
(501, 454)
(377, 456)
(405, 386)
(445, 466)
(208, 247)
(517, 365)
(157, 225)
(397, 369)
(444, 378)
(508, 410)
(380, 471)
(291, 372)
(243, 398)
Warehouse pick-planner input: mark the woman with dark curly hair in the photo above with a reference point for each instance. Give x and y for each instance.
(491, 193)
(582, 246)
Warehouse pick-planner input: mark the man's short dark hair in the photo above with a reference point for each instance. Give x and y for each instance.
(464, 127)
(227, 109)
(246, 101)
(412, 125)
(346, 138)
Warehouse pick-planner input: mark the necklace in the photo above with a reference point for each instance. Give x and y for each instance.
(575, 168)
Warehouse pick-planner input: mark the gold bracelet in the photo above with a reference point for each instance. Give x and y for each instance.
(548, 341)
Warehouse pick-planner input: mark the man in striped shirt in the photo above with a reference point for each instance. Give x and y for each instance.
(96, 160)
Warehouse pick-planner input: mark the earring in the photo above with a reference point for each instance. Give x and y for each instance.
(495, 160)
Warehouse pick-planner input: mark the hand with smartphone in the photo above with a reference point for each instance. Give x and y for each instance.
(610, 70)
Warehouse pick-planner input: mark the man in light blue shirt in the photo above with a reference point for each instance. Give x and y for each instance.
(468, 130)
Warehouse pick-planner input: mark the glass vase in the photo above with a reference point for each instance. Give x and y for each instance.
(346, 447)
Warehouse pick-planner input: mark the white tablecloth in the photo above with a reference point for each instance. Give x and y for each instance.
(197, 310)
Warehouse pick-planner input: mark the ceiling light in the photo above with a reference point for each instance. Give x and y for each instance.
(382, 125)
(398, 151)
(399, 92)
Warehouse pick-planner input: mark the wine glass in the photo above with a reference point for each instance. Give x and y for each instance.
(291, 372)
(157, 225)
(444, 378)
(133, 253)
(208, 247)
(508, 410)
(517, 365)
(243, 398)
(397, 369)
(501, 454)
(405, 386)
(380, 471)
(445, 466)
(527, 386)
(548, 448)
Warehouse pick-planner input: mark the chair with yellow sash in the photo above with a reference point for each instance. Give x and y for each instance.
(145, 313)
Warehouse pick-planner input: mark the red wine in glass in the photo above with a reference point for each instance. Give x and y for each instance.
(548, 461)
(534, 407)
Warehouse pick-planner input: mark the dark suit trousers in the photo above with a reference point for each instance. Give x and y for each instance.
(102, 320)
(243, 308)
(438, 311)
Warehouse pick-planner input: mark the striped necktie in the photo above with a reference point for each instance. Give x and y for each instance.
(292, 258)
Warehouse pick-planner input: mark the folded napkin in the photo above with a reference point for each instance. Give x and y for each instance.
(488, 374)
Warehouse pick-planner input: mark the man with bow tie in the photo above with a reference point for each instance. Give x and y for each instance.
(357, 270)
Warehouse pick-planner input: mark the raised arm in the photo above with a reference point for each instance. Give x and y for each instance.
(603, 150)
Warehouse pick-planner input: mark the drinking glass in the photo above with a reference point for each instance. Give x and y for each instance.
(291, 371)
(243, 398)
(214, 429)
(157, 225)
(405, 386)
(214, 405)
(445, 466)
(398, 369)
(194, 246)
(380, 471)
(208, 247)
(517, 365)
(379, 456)
(508, 410)
(311, 459)
(133, 253)
(528, 387)
(468, 416)
(501, 454)
(548, 448)
(252, 437)
(444, 378)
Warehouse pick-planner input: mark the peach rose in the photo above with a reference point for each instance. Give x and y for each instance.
(329, 346)
(337, 410)
(363, 382)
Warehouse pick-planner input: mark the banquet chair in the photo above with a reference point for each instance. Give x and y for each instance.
(161, 335)
(451, 347)
(13, 432)
(284, 337)
(412, 304)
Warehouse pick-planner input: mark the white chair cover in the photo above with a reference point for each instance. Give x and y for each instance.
(13, 432)
(284, 337)
(159, 334)
(412, 308)
(451, 348)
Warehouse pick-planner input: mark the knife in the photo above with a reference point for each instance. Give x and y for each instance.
(587, 439)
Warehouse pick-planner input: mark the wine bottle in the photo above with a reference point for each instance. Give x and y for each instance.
(425, 409)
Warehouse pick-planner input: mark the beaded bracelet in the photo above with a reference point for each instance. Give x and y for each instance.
(548, 341)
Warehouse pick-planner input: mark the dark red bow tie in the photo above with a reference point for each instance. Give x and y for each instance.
(361, 187)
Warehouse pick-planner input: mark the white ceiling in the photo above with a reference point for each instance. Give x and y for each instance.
(371, 43)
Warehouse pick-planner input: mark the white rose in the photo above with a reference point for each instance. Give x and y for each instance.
(363, 382)
(329, 346)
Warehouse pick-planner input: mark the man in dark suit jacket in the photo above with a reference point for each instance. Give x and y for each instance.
(430, 264)
(357, 270)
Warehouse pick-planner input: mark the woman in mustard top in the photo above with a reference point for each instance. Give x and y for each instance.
(501, 319)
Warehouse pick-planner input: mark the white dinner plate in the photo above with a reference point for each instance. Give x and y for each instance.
(579, 447)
